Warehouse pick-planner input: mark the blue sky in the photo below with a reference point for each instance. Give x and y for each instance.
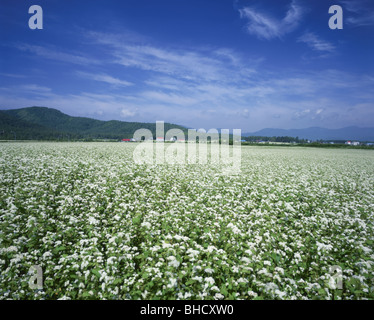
(203, 64)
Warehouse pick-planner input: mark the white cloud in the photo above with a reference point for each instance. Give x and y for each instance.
(302, 113)
(30, 89)
(186, 64)
(360, 12)
(350, 5)
(245, 113)
(265, 27)
(316, 43)
(35, 88)
(263, 101)
(105, 78)
(203, 87)
(170, 98)
(128, 113)
(12, 75)
(58, 55)
(365, 19)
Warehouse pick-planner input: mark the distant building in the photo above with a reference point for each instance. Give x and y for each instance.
(160, 139)
(353, 143)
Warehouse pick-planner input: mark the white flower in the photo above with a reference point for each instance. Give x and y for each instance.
(210, 249)
(279, 293)
(218, 296)
(47, 255)
(172, 283)
(280, 270)
(11, 249)
(111, 260)
(252, 294)
(246, 260)
(200, 279)
(234, 228)
(174, 263)
(187, 295)
(93, 221)
(144, 294)
(146, 224)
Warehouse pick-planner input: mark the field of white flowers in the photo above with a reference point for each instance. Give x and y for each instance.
(102, 227)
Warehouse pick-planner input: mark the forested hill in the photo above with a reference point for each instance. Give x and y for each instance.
(41, 123)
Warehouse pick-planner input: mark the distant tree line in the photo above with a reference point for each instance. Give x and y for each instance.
(275, 139)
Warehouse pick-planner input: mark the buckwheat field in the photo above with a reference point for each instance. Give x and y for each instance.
(296, 223)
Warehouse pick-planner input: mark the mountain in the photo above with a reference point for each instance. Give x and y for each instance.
(41, 123)
(317, 133)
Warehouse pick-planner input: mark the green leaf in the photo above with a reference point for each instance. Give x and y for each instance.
(60, 248)
(117, 281)
(136, 220)
(224, 291)
(322, 292)
(96, 273)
